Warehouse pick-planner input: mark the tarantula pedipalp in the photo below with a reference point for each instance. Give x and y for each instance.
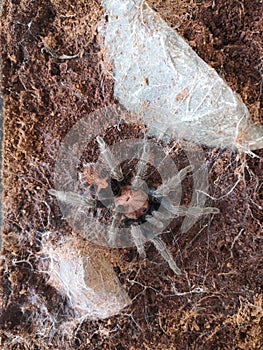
(137, 208)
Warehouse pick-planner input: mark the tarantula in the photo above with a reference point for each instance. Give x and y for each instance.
(142, 209)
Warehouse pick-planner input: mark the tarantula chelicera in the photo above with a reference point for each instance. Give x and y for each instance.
(131, 203)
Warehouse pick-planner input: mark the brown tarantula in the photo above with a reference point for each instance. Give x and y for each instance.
(136, 206)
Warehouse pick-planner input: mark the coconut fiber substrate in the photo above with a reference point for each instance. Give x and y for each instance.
(53, 74)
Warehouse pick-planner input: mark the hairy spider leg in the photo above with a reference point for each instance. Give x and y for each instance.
(167, 256)
(136, 234)
(137, 182)
(112, 234)
(173, 182)
(72, 198)
(154, 221)
(189, 211)
(162, 216)
(160, 246)
(109, 159)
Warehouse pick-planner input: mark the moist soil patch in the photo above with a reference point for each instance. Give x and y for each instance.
(53, 73)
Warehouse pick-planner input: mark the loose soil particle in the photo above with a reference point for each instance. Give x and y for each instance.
(44, 96)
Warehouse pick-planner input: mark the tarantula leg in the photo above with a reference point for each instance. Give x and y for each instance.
(173, 182)
(197, 211)
(112, 234)
(72, 198)
(136, 234)
(109, 159)
(192, 211)
(167, 256)
(137, 181)
(161, 215)
(154, 221)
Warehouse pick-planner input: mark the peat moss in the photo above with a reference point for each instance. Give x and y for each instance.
(218, 302)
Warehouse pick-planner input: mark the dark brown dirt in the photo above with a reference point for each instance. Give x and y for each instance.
(218, 302)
